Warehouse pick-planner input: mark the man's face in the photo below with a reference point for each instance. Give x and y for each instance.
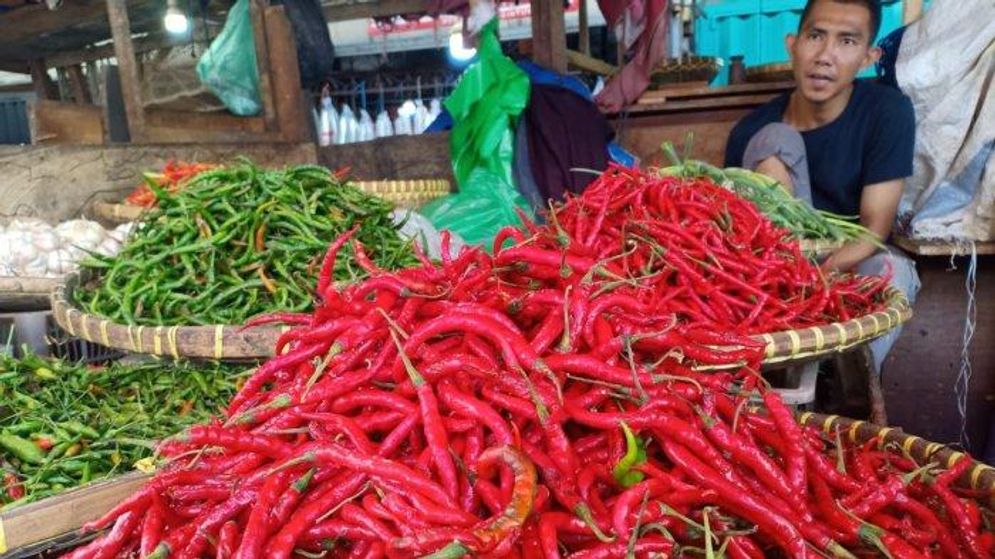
(833, 44)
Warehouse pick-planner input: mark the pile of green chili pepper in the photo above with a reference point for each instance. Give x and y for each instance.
(63, 425)
(237, 242)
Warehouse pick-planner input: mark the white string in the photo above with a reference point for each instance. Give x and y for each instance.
(963, 384)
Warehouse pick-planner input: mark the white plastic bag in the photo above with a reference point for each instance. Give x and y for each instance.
(345, 133)
(403, 125)
(366, 129)
(384, 127)
(421, 116)
(327, 122)
(417, 227)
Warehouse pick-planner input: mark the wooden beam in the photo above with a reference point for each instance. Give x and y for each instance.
(78, 84)
(15, 66)
(33, 20)
(291, 113)
(91, 53)
(44, 87)
(342, 10)
(911, 11)
(117, 13)
(256, 8)
(583, 30)
(589, 63)
(549, 38)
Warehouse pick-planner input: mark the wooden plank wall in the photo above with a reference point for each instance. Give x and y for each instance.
(400, 157)
(644, 134)
(58, 122)
(32, 175)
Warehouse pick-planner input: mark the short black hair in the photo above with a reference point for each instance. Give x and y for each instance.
(873, 6)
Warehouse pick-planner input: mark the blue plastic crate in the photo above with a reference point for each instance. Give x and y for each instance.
(756, 30)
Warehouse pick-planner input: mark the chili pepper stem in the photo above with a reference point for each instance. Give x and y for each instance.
(584, 513)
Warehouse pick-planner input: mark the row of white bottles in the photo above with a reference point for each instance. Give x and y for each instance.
(346, 126)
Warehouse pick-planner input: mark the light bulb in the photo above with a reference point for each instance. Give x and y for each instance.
(176, 21)
(458, 50)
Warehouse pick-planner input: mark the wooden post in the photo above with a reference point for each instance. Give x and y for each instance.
(117, 14)
(583, 31)
(256, 9)
(44, 87)
(78, 84)
(911, 11)
(549, 38)
(291, 114)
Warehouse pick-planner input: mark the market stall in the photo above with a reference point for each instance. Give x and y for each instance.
(546, 323)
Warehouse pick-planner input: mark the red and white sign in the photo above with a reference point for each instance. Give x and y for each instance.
(506, 12)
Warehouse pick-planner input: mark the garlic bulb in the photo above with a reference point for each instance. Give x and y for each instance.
(81, 233)
(32, 248)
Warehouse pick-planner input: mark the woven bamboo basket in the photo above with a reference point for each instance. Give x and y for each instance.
(806, 344)
(221, 341)
(116, 213)
(684, 70)
(409, 194)
(768, 73)
(979, 477)
(406, 193)
(26, 294)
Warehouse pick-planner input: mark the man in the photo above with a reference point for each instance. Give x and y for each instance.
(842, 144)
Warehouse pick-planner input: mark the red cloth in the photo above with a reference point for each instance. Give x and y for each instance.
(650, 48)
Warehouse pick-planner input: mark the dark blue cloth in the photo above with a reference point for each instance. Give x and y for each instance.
(870, 142)
(542, 76)
(885, 66)
(441, 123)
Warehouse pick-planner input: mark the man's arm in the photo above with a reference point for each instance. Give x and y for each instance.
(878, 206)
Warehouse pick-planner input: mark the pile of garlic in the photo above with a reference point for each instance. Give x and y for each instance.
(33, 248)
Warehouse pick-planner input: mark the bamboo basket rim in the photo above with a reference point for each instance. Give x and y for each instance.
(805, 344)
(818, 247)
(217, 341)
(399, 191)
(980, 476)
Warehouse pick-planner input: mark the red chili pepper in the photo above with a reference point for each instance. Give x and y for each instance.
(13, 486)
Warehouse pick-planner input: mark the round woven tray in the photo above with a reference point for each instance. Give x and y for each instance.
(221, 342)
(26, 294)
(806, 344)
(979, 476)
(402, 193)
(406, 193)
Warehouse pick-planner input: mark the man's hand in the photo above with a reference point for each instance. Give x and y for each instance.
(878, 206)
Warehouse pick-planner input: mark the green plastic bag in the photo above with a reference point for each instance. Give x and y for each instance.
(485, 107)
(228, 67)
(484, 205)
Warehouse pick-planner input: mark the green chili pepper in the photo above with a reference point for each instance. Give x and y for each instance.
(635, 454)
(22, 449)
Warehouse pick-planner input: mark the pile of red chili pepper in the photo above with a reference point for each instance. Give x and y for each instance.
(174, 175)
(481, 407)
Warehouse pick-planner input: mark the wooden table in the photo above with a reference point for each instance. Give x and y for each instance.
(669, 113)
